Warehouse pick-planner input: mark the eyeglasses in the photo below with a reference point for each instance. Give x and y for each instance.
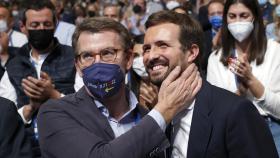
(107, 55)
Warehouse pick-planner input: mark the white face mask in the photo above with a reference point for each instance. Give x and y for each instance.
(138, 66)
(240, 30)
(3, 26)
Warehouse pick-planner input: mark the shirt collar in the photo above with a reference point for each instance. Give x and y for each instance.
(42, 57)
(132, 102)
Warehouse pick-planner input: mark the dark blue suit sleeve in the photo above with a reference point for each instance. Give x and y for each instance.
(13, 141)
(247, 133)
(62, 136)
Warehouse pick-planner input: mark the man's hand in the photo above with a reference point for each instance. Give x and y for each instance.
(178, 91)
(40, 89)
(49, 90)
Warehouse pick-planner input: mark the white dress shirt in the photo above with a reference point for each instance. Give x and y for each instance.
(181, 140)
(268, 73)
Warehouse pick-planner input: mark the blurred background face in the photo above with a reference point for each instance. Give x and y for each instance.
(138, 50)
(215, 9)
(112, 12)
(5, 16)
(91, 10)
(238, 12)
(140, 3)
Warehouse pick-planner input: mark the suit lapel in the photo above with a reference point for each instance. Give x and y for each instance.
(201, 126)
(92, 118)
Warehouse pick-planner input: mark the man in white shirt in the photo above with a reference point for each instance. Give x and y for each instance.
(218, 123)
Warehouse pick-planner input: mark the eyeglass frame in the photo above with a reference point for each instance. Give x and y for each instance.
(115, 51)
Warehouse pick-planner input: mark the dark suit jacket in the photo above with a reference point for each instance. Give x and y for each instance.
(13, 142)
(73, 127)
(227, 126)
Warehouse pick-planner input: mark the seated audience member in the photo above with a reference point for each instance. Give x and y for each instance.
(16, 39)
(64, 30)
(42, 69)
(13, 141)
(103, 119)
(248, 64)
(212, 36)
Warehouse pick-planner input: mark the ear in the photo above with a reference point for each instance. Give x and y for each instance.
(23, 28)
(193, 53)
(129, 59)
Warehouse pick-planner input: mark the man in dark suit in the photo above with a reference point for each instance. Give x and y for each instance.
(13, 141)
(217, 124)
(103, 118)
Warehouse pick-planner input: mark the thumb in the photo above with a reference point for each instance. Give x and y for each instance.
(44, 76)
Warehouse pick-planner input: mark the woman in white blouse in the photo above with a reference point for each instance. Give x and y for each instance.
(247, 63)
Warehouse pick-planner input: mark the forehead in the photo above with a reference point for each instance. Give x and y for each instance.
(138, 49)
(4, 12)
(162, 32)
(94, 42)
(44, 14)
(215, 6)
(238, 8)
(111, 10)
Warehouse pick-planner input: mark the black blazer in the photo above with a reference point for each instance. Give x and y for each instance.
(73, 127)
(13, 141)
(227, 126)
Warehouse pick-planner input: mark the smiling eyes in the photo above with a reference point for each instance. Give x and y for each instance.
(158, 45)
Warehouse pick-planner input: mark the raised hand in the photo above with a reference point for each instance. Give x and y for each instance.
(178, 91)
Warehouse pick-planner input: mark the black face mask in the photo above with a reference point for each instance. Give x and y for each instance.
(41, 39)
(91, 13)
(137, 9)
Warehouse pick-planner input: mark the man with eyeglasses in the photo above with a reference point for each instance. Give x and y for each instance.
(103, 119)
(42, 69)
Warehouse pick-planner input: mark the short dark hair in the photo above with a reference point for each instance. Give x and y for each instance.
(39, 5)
(100, 24)
(190, 30)
(257, 37)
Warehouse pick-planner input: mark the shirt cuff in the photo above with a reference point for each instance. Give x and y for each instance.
(261, 99)
(158, 118)
(62, 95)
(20, 111)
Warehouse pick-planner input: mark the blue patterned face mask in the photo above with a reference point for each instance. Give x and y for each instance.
(103, 80)
(277, 10)
(216, 21)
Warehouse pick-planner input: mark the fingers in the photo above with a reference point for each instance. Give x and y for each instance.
(148, 93)
(190, 70)
(30, 85)
(172, 76)
(32, 95)
(44, 76)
